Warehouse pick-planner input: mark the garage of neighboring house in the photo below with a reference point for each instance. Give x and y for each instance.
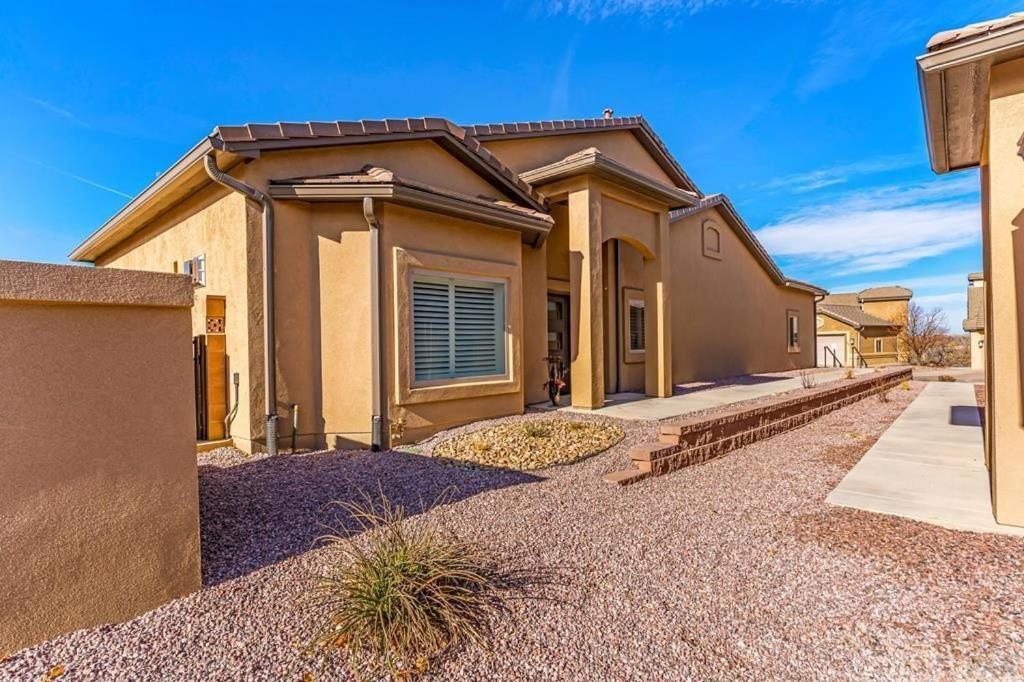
(831, 350)
(850, 337)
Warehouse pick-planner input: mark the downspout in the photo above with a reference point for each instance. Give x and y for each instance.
(269, 338)
(377, 437)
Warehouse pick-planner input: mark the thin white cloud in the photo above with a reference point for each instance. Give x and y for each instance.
(916, 284)
(883, 228)
(559, 104)
(837, 175)
(602, 9)
(79, 178)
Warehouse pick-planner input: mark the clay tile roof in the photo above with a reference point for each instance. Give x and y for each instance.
(281, 134)
(647, 137)
(854, 316)
(982, 28)
(745, 234)
(975, 321)
(876, 293)
(841, 299)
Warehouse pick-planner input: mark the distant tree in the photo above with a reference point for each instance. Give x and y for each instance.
(923, 333)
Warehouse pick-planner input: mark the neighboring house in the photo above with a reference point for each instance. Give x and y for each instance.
(862, 329)
(387, 279)
(974, 323)
(972, 90)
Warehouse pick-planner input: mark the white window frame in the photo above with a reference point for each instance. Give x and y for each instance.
(879, 345)
(196, 268)
(501, 327)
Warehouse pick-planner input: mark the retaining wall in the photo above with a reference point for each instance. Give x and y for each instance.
(691, 441)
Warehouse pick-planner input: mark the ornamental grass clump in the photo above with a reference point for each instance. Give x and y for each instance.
(403, 594)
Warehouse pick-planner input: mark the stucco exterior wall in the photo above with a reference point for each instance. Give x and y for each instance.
(1004, 285)
(977, 341)
(99, 493)
(421, 241)
(218, 224)
(729, 317)
(523, 154)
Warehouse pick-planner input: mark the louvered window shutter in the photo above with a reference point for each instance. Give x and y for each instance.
(458, 328)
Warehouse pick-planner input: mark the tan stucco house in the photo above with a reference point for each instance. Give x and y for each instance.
(972, 89)
(375, 281)
(862, 329)
(974, 323)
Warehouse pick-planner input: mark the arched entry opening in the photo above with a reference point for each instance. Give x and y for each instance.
(625, 315)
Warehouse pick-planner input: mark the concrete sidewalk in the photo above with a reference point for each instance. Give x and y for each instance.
(639, 406)
(929, 465)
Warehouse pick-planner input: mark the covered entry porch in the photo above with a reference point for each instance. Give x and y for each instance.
(609, 276)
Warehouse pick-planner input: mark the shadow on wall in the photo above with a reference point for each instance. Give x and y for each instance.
(263, 511)
(965, 415)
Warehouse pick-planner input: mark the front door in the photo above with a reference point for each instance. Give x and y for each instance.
(558, 331)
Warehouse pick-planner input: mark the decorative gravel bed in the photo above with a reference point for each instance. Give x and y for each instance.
(531, 444)
(732, 569)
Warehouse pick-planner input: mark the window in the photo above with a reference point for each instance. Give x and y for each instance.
(196, 267)
(793, 331)
(878, 345)
(637, 342)
(458, 328)
(711, 240)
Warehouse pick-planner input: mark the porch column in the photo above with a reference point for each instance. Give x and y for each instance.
(586, 298)
(658, 315)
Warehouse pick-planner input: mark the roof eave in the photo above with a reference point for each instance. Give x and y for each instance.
(110, 231)
(600, 165)
(533, 228)
(999, 46)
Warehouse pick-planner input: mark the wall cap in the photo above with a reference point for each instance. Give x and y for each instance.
(79, 285)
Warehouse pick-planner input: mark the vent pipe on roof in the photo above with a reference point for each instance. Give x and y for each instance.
(269, 337)
(608, 113)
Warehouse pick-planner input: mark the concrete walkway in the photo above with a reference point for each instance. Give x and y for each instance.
(929, 465)
(639, 406)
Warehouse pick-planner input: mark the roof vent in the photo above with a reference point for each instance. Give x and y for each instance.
(608, 113)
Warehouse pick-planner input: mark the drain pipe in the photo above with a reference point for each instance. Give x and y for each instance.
(376, 337)
(269, 340)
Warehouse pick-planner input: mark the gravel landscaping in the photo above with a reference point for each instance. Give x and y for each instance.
(734, 568)
(531, 444)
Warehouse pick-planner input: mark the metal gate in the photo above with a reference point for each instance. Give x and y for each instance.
(199, 372)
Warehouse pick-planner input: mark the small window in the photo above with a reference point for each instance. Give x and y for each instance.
(793, 331)
(196, 268)
(878, 345)
(458, 328)
(637, 341)
(711, 240)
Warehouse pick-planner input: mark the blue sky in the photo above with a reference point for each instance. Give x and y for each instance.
(805, 113)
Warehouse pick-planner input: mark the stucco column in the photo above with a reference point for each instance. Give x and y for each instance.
(658, 316)
(586, 298)
(1004, 268)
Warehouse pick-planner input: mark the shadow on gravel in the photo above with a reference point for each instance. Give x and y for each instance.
(266, 510)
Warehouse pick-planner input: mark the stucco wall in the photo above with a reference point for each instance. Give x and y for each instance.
(99, 492)
(215, 223)
(1004, 285)
(728, 316)
(523, 154)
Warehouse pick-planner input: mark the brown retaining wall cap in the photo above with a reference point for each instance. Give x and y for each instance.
(78, 285)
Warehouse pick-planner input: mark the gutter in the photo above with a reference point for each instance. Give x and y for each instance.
(269, 337)
(377, 438)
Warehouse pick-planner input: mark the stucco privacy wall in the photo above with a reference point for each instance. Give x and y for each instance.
(99, 494)
(729, 316)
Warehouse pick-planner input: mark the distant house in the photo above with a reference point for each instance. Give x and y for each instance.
(974, 324)
(372, 282)
(862, 329)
